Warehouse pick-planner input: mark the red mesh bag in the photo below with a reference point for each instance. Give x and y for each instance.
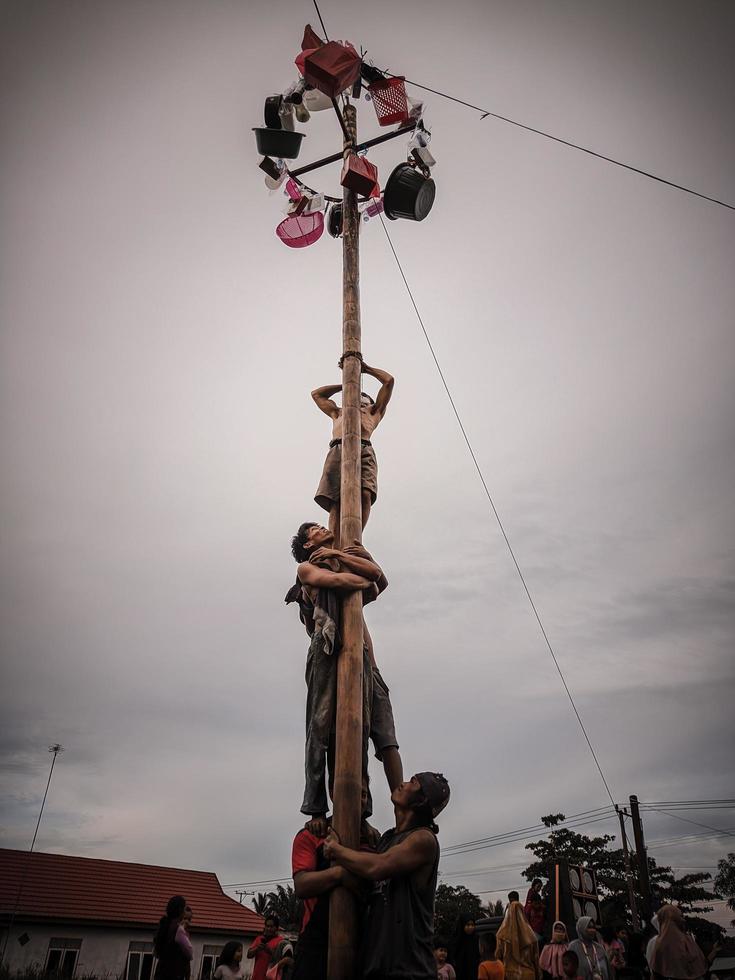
(298, 231)
(360, 176)
(332, 68)
(390, 100)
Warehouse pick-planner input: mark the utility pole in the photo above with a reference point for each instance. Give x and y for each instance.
(640, 848)
(628, 872)
(348, 760)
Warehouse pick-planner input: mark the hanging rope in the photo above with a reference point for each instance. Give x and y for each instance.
(319, 15)
(497, 515)
(574, 146)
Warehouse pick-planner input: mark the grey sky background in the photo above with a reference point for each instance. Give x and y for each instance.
(159, 446)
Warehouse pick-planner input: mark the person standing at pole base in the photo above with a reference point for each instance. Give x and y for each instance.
(399, 932)
(371, 413)
(314, 880)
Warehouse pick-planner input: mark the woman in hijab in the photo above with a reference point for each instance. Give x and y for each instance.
(517, 946)
(674, 954)
(464, 949)
(551, 954)
(593, 961)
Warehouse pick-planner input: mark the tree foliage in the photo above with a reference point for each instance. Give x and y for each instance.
(281, 902)
(725, 881)
(609, 866)
(450, 901)
(260, 902)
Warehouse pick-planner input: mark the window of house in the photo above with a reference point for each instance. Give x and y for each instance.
(61, 960)
(140, 961)
(209, 961)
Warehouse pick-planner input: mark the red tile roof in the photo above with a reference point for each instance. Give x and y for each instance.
(60, 887)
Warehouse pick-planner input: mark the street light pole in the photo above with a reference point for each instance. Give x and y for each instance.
(55, 749)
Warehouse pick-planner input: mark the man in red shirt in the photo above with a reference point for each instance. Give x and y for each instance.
(314, 879)
(262, 947)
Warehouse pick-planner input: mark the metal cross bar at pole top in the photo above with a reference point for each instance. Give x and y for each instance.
(359, 146)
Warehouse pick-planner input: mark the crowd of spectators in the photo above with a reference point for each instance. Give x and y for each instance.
(523, 949)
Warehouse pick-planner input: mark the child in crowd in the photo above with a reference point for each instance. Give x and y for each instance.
(570, 965)
(444, 970)
(490, 966)
(229, 964)
(613, 947)
(552, 953)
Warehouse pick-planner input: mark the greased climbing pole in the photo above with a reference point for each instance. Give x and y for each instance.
(348, 767)
(331, 71)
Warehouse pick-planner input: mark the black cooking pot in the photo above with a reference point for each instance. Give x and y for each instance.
(279, 143)
(408, 194)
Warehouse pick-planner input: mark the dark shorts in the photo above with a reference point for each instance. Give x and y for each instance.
(327, 493)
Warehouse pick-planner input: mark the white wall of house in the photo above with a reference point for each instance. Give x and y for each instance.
(103, 951)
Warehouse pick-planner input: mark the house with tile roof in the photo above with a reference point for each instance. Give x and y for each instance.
(86, 917)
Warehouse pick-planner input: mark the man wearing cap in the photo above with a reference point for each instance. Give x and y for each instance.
(398, 939)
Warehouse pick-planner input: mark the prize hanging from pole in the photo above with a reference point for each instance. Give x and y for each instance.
(330, 71)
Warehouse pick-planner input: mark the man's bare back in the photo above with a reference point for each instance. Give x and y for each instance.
(369, 421)
(371, 413)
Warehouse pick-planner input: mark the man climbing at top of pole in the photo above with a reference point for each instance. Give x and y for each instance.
(371, 414)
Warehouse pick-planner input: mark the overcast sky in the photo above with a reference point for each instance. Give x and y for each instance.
(159, 446)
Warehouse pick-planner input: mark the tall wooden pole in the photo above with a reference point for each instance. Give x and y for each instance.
(640, 848)
(348, 763)
(628, 872)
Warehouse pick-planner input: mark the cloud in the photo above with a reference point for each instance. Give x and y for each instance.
(159, 446)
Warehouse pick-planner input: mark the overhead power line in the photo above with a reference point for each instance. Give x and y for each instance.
(495, 512)
(694, 823)
(533, 828)
(481, 871)
(689, 839)
(262, 881)
(692, 804)
(528, 833)
(524, 839)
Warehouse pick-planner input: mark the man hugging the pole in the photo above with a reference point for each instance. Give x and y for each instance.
(399, 933)
(324, 575)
